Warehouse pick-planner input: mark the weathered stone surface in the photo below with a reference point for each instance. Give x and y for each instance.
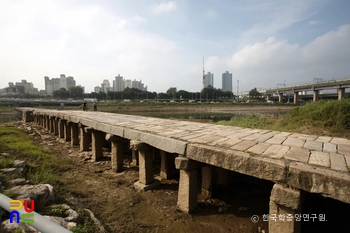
(260, 167)
(145, 187)
(276, 151)
(329, 147)
(169, 145)
(344, 149)
(259, 148)
(313, 145)
(187, 196)
(44, 192)
(324, 181)
(293, 142)
(280, 226)
(138, 145)
(276, 140)
(324, 139)
(342, 141)
(285, 196)
(319, 158)
(244, 145)
(298, 154)
(338, 162)
(17, 182)
(184, 163)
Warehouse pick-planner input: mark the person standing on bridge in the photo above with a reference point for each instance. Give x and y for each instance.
(84, 106)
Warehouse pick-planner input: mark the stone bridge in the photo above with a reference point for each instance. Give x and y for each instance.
(293, 161)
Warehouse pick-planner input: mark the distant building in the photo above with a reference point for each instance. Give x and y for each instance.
(208, 80)
(19, 88)
(226, 81)
(97, 89)
(105, 86)
(128, 83)
(119, 84)
(57, 83)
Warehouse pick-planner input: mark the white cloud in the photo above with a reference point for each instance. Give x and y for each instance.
(164, 7)
(315, 22)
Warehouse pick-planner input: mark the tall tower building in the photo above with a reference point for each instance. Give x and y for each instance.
(105, 86)
(226, 81)
(118, 83)
(209, 80)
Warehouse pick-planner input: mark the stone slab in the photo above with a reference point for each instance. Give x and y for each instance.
(307, 137)
(276, 151)
(169, 145)
(298, 154)
(259, 148)
(244, 145)
(229, 142)
(319, 158)
(342, 141)
(344, 149)
(313, 145)
(324, 139)
(260, 167)
(338, 162)
(264, 137)
(329, 147)
(285, 196)
(347, 160)
(293, 142)
(328, 183)
(276, 140)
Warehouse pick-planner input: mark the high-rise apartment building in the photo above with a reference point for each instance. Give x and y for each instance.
(55, 84)
(208, 80)
(226, 81)
(118, 84)
(105, 86)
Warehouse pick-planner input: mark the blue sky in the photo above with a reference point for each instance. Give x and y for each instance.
(163, 43)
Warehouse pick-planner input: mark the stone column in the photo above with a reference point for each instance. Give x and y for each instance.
(97, 138)
(74, 134)
(52, 124)
(316, 92)
(207, 181)
(55, 126)
(146, 181)
(61, 123)
(85, 137)
(167, 165)
(67, 131)
(341, 93)
(135, 158)
(187, 199)
(296, 95)
(280, 97)
(47, 121)
(284, 201)
(223, 177)
(44, 122)
(117, 152)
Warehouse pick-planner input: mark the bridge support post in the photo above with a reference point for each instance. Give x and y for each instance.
(296, 96)
(97, 145)
(341, 93)
(167, 165)
(85, 137)
(74, 134)
(55, 127)
(117, 152)
(285, 202)
(187, 199)
(223, 177)
(45, 121)
(207, 181)
(146, 181)
(61, 124)
(134, 157)
(67, 131)
(280, 97)
(316, 93)
(52, 124)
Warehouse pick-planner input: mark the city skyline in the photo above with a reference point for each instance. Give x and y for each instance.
(162, 43)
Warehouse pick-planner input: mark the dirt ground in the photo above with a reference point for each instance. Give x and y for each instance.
(120, 208)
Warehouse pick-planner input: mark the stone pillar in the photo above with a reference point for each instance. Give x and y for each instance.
(316, 92)
(97, 138)
(117, 152)
(167, 165)
(341, 93)
(67, 131)
(284, 201)
(52, 124)
(187, 199)
(135, 158)
(146, 181)
(44, 122)
(74, 134)
(55, 126)
(223, 177)
(61, 123)
(85, 137)
(280, 97)
(47, 121)
(296, 95)
(207, 181)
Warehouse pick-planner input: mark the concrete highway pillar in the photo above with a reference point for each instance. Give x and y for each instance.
(61, 124)
(117, 152)
(316, 93)
(55, 126)
(285, 202)
(341, 93)
(67, 131)
(85, 137)
(74, 134)
(167, 165)
(280, 97)
(296, 96)
(146, 181)
(97, 138)
(208, 172)
(187, 199)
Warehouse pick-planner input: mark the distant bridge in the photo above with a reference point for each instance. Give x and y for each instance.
(340, 85)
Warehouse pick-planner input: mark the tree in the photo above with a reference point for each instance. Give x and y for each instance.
(172, 92)
(254, 93)
(76, 92)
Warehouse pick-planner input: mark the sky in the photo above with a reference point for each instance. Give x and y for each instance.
(263, 43)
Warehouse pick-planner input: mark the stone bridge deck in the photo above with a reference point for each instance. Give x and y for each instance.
(316, 164)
